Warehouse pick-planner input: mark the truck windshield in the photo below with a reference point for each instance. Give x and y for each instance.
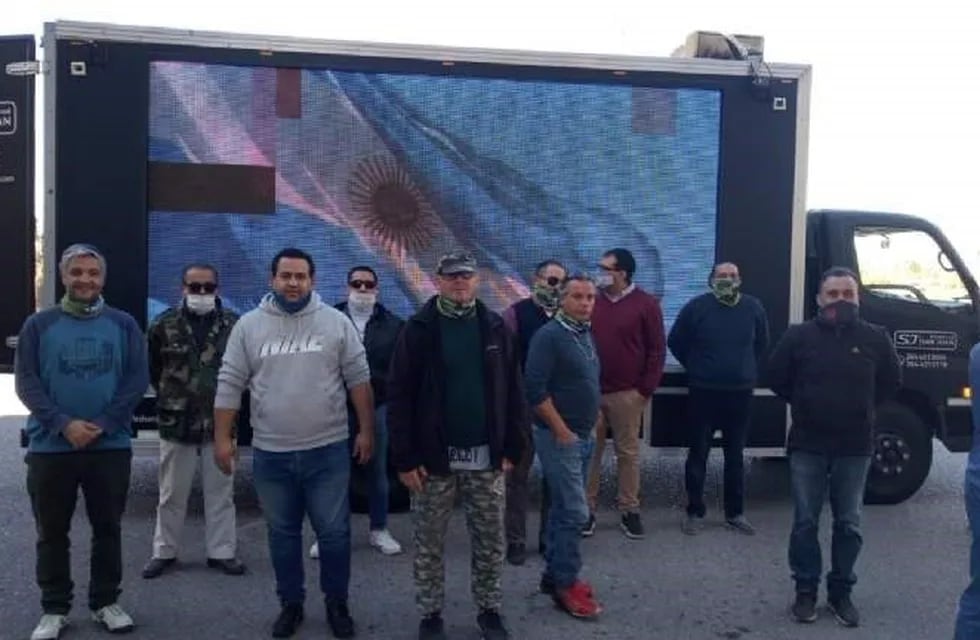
(908, 264)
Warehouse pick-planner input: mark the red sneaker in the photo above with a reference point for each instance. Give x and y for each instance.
(578, 600)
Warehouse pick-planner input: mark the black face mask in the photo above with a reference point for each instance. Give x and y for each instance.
(841, 313)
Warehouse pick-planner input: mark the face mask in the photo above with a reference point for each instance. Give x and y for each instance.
(546, 297)
(841, 313)
(604, 279)
(200, 304)
(361, 301)
(726, 289)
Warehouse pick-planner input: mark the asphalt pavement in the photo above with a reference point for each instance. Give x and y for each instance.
(717, 585)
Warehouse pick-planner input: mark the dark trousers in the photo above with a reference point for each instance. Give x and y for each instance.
(708, 410)
(53, 480)
(515, 512)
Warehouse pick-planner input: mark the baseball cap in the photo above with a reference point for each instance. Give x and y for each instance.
(456, 262)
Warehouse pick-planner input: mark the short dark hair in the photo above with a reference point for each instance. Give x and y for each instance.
(624, 261)
(354, 270)
(292, 252)
(544, 264)
(838, 272)
(204, 266)
(567, 283)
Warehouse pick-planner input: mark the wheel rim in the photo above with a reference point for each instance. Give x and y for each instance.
(892, 454)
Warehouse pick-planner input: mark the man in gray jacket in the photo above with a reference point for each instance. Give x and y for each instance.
(299, 357)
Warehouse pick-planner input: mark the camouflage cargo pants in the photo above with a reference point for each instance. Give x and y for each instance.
(483, 501)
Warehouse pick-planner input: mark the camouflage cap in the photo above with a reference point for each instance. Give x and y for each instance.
(456, 262)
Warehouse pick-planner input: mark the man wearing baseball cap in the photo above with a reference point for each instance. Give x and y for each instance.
(80, 369)
(457, 420)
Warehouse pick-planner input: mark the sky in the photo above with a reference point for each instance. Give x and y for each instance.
(894, 116)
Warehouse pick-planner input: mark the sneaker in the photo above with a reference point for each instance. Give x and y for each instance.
(740, 524)
(114, 619)
(805, 607)
(288, 621)
(632, 526)
(431, 628)
(691, 525)
(50, 626)
(844, 610)
(383, 541)
(578, 600)
(492, 625)
(516, 554)
(315, 551)
(547, 585)
(589, 529)
(339, 618)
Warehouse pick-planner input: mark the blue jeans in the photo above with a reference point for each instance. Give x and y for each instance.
(378, 487)
(294, 484)
(565, 469)
(811, 476)
(968, 616)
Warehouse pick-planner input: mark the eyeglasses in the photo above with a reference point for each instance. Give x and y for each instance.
(463, 275)
(362, 284)
(201, 287)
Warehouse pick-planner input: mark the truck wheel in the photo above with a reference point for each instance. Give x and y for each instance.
(398, 496)
(902, 455)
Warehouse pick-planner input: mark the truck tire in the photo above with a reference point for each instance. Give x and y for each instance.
(398, 497)
(902, 456)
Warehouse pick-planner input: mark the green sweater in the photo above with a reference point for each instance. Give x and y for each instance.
(465, 405)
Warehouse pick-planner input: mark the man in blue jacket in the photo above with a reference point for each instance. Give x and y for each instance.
(968, 618)
(81, 369)
(720, 337)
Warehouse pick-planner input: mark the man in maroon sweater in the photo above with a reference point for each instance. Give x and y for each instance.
(628, 328)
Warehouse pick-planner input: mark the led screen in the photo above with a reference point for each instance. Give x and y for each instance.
(393, 170)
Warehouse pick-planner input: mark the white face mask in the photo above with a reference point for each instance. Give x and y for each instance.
(362, 301)
(200, 303)
(604, 280)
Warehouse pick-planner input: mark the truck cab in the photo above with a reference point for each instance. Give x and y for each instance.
(914, 285)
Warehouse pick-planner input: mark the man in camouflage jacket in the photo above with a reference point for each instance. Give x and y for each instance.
(186, 344)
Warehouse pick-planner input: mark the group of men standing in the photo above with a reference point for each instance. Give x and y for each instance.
(461, 396)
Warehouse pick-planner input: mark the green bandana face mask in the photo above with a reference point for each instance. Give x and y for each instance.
(81, 309)
(545, 297)
(726, 290)
(570, 323)
(452, 309)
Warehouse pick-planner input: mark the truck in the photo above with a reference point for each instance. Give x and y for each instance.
(166, 146)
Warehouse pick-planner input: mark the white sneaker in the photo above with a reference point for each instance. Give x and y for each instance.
(114, 619)
(384, 542)
(50, 626)
(315, 551)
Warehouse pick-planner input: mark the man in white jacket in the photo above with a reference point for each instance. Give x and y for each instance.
(299, 358)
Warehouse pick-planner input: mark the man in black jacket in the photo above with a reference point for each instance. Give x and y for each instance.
(457, 418)
(834, 371)
(378, 329)
(720, 337)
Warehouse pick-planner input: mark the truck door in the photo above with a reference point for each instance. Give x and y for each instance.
(16, 188)
(915, 285)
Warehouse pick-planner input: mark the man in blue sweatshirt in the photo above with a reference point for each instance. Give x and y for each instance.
(720, 337)
(562, 384)
(968, 617)
(80, 369)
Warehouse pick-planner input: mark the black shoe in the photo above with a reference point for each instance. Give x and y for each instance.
(288, 621)
(156, 567)
(516, 553)
(805, 607)
(431, 628)
(589, 529)
(547, 585)
(632, 526)
(230, 566)
(339, 618)
(844, 610)
(492, 625)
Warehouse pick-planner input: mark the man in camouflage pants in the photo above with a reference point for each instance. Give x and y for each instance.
(457, 418)
(186, 344)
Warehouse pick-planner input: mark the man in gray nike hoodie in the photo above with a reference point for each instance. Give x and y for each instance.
(299, 357)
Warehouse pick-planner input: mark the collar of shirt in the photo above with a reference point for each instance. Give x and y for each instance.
(625, 292)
